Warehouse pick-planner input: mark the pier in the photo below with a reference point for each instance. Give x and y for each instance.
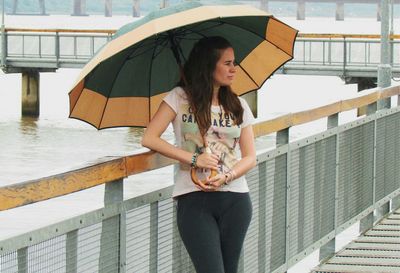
(305, 192)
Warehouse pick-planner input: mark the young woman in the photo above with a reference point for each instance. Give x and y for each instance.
(213, 213)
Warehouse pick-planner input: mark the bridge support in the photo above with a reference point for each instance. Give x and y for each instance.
(339, 11)
(301, 10)
(30, 93)
(264, 5)
(379, 11)
(79, 8)
(108, 8)
(136, 8)
(164, 4)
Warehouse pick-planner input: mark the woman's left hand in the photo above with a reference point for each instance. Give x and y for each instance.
(216, 182)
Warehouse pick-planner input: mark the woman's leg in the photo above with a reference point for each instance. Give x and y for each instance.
(233, 227)
(200, 232)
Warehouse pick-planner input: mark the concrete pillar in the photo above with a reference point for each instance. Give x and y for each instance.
(264, 5)
(30, 93)
(379, 11)
(301, 10)
(251, 99)
(164, 4)
(79, 8)
(340, 11)
(136, 8)
(14, 8)
(108, 8)
(42, 6)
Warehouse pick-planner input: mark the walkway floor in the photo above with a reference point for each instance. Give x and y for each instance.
(378, 250)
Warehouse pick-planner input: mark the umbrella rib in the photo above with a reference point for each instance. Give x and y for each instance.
(150, 69)
(109, 93)
(251, 78)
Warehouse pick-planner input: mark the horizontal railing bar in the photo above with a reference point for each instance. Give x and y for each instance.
(342, 36)
(300, 35)
(24, 193)
(105, 31)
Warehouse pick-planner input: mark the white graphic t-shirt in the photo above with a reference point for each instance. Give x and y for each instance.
(222, 137)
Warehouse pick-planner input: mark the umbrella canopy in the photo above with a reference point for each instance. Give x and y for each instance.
(124, 83)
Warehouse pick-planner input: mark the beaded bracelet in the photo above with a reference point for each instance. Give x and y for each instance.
(226, 179)
(229, 176)
(193, 164)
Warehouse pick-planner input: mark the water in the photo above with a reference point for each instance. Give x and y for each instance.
(33, 148)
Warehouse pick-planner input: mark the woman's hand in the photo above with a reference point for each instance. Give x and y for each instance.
(207, 161)
(212, 184)
(216, 182)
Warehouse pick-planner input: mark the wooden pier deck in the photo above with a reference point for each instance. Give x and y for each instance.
(377, 250)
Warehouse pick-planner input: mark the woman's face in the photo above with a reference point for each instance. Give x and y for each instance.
(225, 68)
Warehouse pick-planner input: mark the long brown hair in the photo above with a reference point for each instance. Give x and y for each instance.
(198, 84)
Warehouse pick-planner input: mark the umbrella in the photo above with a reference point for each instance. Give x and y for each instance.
(124, 83)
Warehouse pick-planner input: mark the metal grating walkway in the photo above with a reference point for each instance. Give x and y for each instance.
(378, 250)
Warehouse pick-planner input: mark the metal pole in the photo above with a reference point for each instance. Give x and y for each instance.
(3, 36)
(384, 69)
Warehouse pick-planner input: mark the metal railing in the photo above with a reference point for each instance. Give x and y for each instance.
(52, 48)
(304, 193)
(341, 55)
(316, 54)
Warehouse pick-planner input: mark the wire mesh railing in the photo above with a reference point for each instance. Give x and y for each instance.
(304, 193)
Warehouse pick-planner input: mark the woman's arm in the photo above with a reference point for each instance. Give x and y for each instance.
(152, 140)
(247, 161)
(248, 151)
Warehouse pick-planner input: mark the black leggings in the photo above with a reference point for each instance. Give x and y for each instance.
(213, 226)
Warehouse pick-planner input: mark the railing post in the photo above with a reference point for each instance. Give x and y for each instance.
(262, 216)
(384, 79)
(113, 235)
(72, 252)
(57, 48)
(153, 267)
(367, 222)
(282, 138)
(176, 243)
(22, 257)
(328, 250)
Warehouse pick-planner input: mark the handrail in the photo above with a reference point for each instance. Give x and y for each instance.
(344, 36)
(105, 31)
(300, 35)
(109, 170)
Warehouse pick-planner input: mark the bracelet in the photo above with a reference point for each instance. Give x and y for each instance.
(193, 164)
(226, 179)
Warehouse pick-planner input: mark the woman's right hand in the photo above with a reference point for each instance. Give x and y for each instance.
(207, 161)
